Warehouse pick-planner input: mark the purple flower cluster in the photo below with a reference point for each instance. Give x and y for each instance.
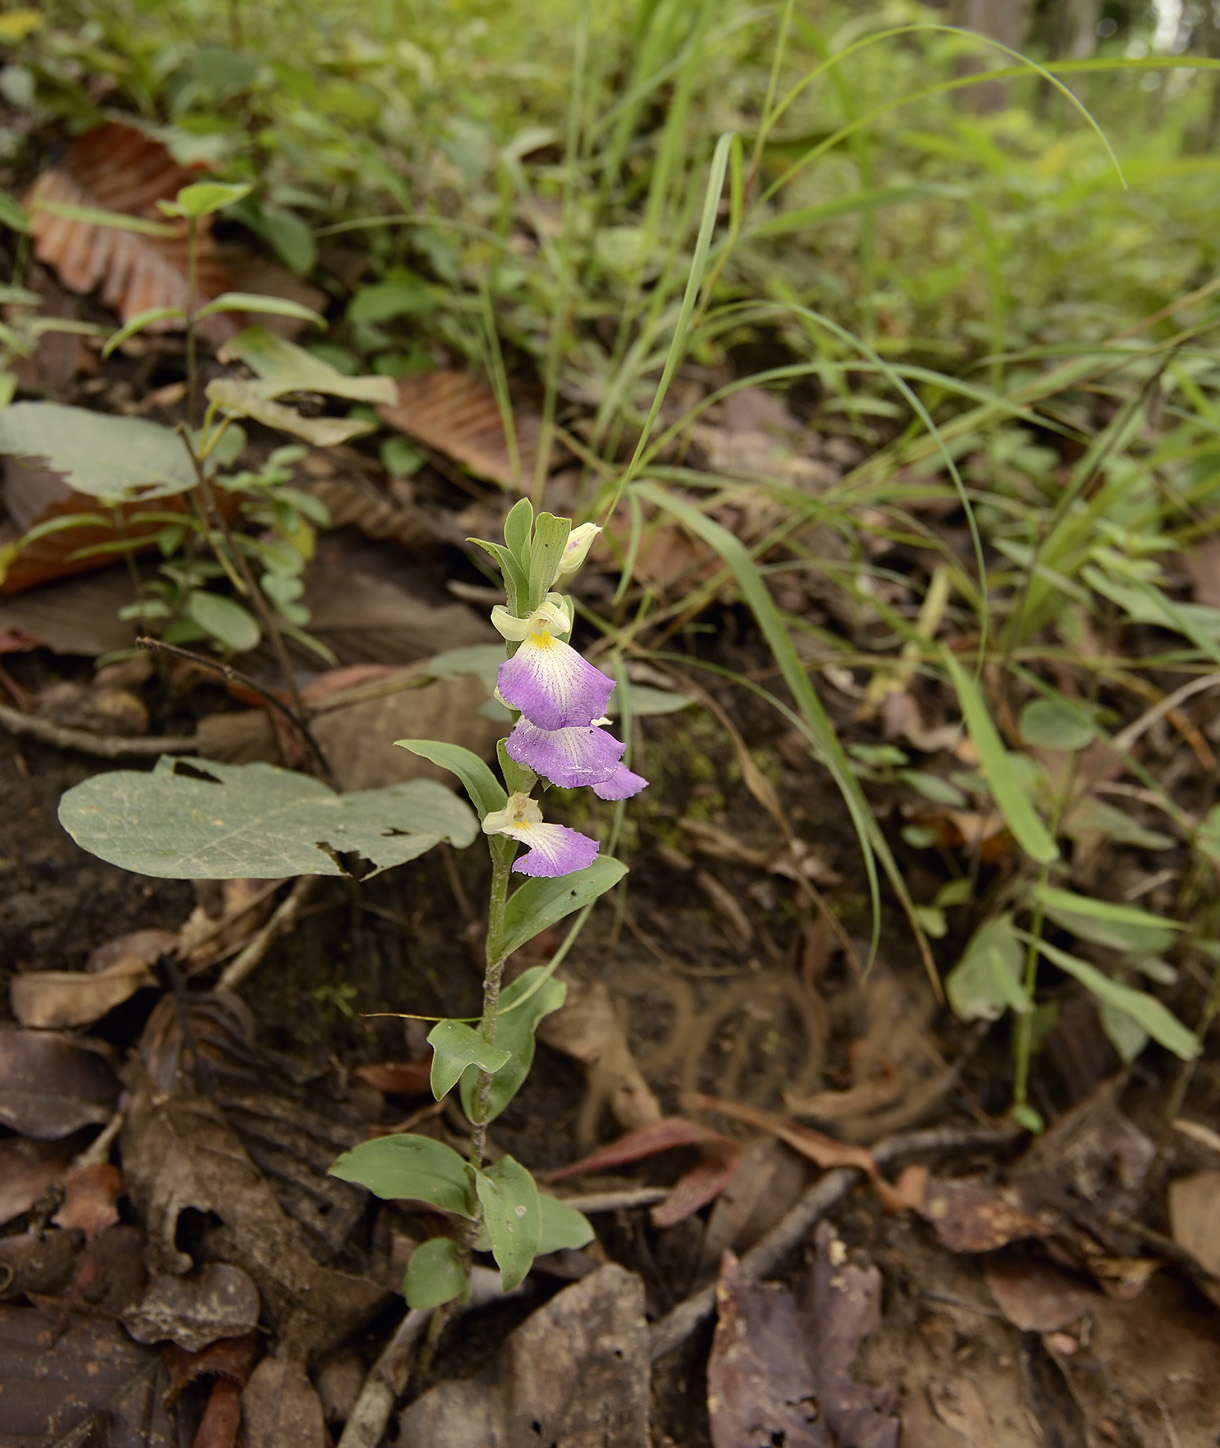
(560, 735)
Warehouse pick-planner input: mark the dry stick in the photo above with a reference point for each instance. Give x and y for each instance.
(795, 1226)
(388, 1376)
(280, 923)
(235, 676)
(101, 746)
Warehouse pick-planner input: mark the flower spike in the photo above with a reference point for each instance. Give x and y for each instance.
(551, 849)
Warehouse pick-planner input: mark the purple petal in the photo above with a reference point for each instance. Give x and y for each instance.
(622, 784)
(570, 758)
(552, 685)
(555, 850)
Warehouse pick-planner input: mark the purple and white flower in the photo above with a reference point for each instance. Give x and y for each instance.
(574, 758)
(546, 679)
(551, 850)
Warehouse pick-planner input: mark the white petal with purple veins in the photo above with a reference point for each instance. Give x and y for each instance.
(622, 784)
(552, 685)
(570, 758)
(555, 850)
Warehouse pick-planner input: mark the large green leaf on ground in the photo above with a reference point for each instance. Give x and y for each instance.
(229, 821)
(283, 367)
(114, 458)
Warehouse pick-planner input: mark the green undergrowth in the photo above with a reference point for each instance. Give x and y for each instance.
(1010, 315)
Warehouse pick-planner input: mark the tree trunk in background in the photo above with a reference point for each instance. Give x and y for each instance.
(1077, 37)
(1006, 21)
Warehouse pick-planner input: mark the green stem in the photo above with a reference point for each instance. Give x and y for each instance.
(192, 266)
(501, 862)
(1025, 1023)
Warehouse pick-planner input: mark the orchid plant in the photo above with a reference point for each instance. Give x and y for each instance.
(559, 738)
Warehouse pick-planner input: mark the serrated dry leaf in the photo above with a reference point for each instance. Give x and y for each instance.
(457, 415)
(117, 168)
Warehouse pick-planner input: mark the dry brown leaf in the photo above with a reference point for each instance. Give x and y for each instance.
(720, 1155)
(59, 999)
(90, 1197)
(1194, 1220)
(969, 1217)
(27, 1169)
(78, 1380)
(117, 168)
(1037, 1296)
(399, 1078)
(216, 1301)
(281, 1408)
(823, 1151)
(51, 1086)
(457, 415)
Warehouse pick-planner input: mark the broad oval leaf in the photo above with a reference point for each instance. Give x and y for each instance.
(508, 1195)
(522, 1005)
(1010, 796)
(563, 1227)
(455, 1046)
(436, 1274)
(225, 620)
(1055, 724)
(539, 903)
(485, 791)
(987, 981)
(518, 526)
(232, 821)
(411, 1168)
(114, 458)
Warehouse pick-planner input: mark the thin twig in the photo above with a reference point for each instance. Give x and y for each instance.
(235, 676)
(388, 1376)
(101, 746)
(281, 921)
(795, 1226)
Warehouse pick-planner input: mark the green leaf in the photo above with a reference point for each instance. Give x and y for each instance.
(518, 778)
(1120, 927)
(1091, 817)
(291, 237)
(385, 301)
(562, 1226)
(284, 367)
(11, 215)
(509, 1197)
(224, 620)
(139, 322)
(550, 539)
(516, 584)
(1207, 838)
(539, 903)
(116, 220)
(255, 302)
(514, 1034)
(1011, 798)
(412, 1168)
(245, 400)
(481, 660)
(518, 526)
(987, 982)
(1155, 1018)
(113, 458)
(1123, 1032)
(436, 1274)
(1055, 724)
(455, 1046)
(203, 198)
(484, 789)
(233, 821)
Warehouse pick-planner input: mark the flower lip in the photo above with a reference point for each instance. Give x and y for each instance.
(552, 850)
(551, 684)
(571, 758)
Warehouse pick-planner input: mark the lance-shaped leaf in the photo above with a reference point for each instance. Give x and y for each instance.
(550, 539)
(455, 1046)
(522, 1005)
(563, 1227)
(539, 903)
(411, 1168)
(1120, 927)
(254, 821)
(987, 980)
(245, 400)
(485, 791)
(511, 1214)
